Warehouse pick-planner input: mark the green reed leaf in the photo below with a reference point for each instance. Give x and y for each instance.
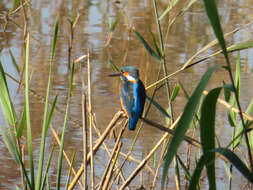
(46, 119)
(14, 61)
(27, 108)
(239, 129)
(165, 12)
(14, 4)
(163, 111)
(185, 169)
(207, 132)
(113, 24)
(155, 44)
(240, 46)
(22, 123)
(5, 100)
(59, 168)
(237, 162)
(147, 46)
(212, 13)
(185, 121)
(174, 92)
(197, 172)
(47, 168)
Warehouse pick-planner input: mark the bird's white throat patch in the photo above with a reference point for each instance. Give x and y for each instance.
(130, 78)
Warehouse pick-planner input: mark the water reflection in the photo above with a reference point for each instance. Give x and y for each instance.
(187, 35)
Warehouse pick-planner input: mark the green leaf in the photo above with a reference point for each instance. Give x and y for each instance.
(21, 124)
(239, 129)
(185, 121)
(196, 174)
(158, 106)
(170, 6)
(14, 61)
(59, 167)
(207, 132)
(240, 46)
(156, 44)
(27, 108)
(114, 67)
(147, 46)
(212, 13)
(237, 162)
(46, 119)
(186, 171)
(5, 100)
(227, 91)
(113, 24)
(47, 169)
(174, 92)
(14, 4)
(238, 75)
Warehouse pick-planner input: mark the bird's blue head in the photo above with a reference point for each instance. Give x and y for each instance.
(128, 73)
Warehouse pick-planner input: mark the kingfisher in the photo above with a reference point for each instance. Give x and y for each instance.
(132, 94)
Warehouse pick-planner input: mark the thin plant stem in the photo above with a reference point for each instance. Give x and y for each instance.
(90, 125)
(111, 157)
(85, 147)
(64, 153)
(163, 58)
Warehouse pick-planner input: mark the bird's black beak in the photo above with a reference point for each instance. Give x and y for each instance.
(115, 74)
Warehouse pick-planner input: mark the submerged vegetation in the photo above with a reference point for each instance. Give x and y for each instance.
(199, 114)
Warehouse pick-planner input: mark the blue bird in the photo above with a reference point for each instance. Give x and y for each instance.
(132, 94)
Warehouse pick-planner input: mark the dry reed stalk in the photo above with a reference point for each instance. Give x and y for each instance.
(85, 146)
(105, 147)
(96, 147)
(145, 160)
(109, 186)
(90, 124)
(112, 155)
(128, 157)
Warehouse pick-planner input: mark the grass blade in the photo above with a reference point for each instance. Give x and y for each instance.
(163, 111)
(70, 170)
(47, 169)
(58, 182)
(196, 174)
(14, 61)
(14, 4)
(46, 121)
(174, 92)
(185, 121)
(212, 13)
(168, 9)
(239, 130)
(237, 162)
(21, 124)
(240, 46)
(207, 132)
(5, 100)
(28, 120)
(113, 24)
(147, 46)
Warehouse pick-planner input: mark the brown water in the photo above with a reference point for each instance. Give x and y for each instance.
(187, 35)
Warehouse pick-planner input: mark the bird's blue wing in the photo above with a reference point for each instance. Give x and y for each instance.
(127, 97)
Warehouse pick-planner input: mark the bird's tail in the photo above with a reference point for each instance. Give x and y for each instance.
(132, 123)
